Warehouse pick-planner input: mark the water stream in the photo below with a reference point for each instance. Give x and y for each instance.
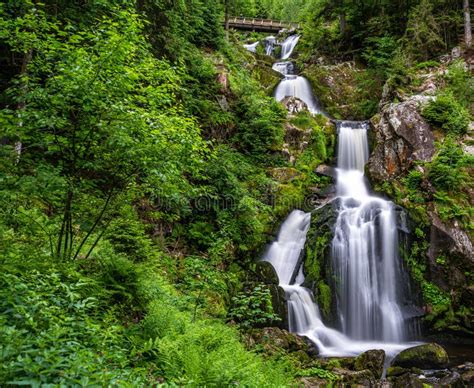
(364, 250)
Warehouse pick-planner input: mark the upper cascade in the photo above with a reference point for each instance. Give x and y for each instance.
(288, 46)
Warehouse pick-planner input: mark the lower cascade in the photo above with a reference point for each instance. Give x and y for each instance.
(364, 260)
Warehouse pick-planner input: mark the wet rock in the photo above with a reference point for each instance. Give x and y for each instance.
(396, 371)
(449, 240)
(427, 356)
(402, 137)
(312, 382)
(372, 360)
(294, 105)
(274, 338)
(326, 170)
(362, 377)
(266, 272)
(407, 380)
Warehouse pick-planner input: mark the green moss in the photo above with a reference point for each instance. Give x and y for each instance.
(324, 297)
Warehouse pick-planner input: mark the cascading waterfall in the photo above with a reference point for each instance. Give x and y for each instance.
(252, 47)
(269, 43)
(364, 258)
(365, 248)
(299, 87)
(364, 252)
(288, 46)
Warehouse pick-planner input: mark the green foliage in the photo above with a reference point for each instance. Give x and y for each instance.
(446, 171)
(446, 113)
(461, 84)
(253, 307)
(324, 297)
(52, 332)
(422, 38)
(318, 372)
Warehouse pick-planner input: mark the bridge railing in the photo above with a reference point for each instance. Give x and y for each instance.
(261, 22)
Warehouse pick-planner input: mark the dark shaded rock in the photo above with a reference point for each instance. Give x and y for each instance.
(312, 382)
(407, 380)
(362, 377)
(451, 241)
(372, 360)
(266, 273)
(396, 371)
(427, 356)
(273, 337)
(326, 170)
(401, 137)
(317, 260)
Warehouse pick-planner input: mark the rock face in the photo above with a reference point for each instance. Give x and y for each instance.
(453, 241)
(427, 356)
(372, 360)
(274, 341)
(401, 138)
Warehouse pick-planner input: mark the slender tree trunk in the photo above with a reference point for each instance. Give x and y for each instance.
(467, 25)
(227, 19)
(21, 105)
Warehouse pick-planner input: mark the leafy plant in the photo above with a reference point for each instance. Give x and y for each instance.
(253, 307)
(446, 113)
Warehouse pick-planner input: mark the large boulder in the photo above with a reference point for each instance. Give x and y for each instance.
(426, 356)
(372, 360)
(449, 240)
(402, 137)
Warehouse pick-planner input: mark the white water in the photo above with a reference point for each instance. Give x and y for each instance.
(365, 258)
(269, 43)
(288, 46)
(252, 47)
(284, 68)
(365, 248)
(299, 87)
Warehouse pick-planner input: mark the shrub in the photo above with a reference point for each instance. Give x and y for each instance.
(448, 114)
(253, 307)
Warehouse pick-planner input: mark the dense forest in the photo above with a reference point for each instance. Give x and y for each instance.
(145, 166)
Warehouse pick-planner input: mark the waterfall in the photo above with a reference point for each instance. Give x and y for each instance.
(269, 43)
(288, 46)
(364, 250)
(299, 87)
(252, 47)
(365, 260)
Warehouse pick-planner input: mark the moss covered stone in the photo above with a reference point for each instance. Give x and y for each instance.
(427, 356)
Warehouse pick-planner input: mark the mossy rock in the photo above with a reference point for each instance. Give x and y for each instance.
(427, 356)
(372, 360)
(394, 371)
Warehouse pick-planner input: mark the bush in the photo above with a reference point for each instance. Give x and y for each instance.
(253, 307)
(448, 114)
(446, 170)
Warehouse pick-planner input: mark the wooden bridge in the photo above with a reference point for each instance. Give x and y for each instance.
(259, 25)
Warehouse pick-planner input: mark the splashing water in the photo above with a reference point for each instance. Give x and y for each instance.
(288, 46)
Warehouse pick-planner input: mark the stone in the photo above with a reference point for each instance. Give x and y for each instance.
(396, 371)
(407, 380)
(294, 105)
(312, 382)
(362, 377)
(266, 272)
(372, 360)
(275, 337)
(402, 137)
(326, 170)
(426, 356)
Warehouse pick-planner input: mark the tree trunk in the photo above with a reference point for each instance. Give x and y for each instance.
(467, 25)
(227, 19)
(21, 105)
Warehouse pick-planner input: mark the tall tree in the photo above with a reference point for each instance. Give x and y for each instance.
(467, 24)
